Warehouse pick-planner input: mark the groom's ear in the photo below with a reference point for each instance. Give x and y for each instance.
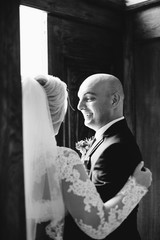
(115, 99)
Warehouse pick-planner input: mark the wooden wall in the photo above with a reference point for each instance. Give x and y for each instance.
(12, 211)
(142, 85)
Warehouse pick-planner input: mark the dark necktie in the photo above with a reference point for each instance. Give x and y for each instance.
(87, 164)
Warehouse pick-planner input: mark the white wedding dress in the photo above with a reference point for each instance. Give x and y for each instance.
(56, 181)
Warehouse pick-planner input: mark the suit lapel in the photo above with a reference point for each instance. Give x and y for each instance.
(100, 149)
(108, 138)
(93, 149)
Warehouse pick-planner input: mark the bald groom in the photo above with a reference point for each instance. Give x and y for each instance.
(115, 154)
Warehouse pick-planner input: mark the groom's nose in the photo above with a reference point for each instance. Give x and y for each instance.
(81, 105)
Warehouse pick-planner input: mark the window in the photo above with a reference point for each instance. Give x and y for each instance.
(33, 41)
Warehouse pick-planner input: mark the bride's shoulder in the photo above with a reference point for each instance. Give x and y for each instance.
(68, 155)
(66, 151)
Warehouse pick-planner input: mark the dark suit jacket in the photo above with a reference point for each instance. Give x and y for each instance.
(110, 173)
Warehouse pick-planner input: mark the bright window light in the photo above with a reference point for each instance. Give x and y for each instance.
(33, 41)
(132, 2)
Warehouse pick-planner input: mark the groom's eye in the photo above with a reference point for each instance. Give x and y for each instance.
(90, 98)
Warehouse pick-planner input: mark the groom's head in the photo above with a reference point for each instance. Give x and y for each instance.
(100, 100)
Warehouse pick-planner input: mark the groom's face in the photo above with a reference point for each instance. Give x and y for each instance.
(95, 104)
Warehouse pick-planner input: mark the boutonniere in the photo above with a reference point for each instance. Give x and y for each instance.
(84, 145)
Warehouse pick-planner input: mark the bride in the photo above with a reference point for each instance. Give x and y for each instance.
(56, 181)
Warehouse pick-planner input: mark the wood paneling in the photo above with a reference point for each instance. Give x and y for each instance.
(147, 23)
(128, 81)
(115, 4)
(84, 11)
(147, 75)
(12, 210)
(141, 76)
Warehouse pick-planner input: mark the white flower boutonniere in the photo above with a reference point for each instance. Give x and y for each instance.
(84, 145)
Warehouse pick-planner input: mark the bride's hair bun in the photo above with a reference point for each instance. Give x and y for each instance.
(56, 91)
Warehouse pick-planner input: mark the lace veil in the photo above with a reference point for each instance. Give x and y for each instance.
(43, 109)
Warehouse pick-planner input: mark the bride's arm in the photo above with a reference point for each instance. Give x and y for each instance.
(95, 218)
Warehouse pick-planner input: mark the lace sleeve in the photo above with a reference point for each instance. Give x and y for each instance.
(95, 218)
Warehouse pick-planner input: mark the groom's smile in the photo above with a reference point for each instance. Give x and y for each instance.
(87, 116)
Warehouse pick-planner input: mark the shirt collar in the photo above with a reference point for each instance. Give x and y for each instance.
(100, 131)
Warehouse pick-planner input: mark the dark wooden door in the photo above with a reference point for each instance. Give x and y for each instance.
(77, 50)
(12, 206)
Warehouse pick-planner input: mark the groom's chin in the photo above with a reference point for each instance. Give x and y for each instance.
(89, 125)
(86, 123)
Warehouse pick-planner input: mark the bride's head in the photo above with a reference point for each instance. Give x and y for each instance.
(56, 91)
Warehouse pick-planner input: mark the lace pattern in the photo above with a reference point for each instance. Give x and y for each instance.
(133, 193)
(99, 222)
(55, 232)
